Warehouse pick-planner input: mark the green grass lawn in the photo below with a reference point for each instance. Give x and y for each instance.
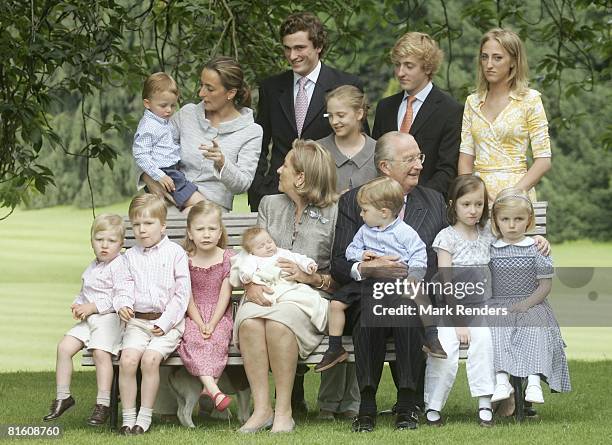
(44, 252)
(581, 416)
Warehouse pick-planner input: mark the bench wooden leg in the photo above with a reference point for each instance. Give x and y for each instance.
(114, 401)
(519, 398)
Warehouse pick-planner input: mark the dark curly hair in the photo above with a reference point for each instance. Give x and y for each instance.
(309, 22)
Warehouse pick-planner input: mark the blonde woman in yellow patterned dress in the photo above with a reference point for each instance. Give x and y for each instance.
(502, 118)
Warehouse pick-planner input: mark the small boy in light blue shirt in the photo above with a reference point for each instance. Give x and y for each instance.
(383, 234)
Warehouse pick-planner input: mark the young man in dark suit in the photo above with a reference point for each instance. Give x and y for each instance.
(397, 155)
(422, 109)
(290, 107)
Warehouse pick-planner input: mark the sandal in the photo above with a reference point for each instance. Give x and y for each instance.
(223, 403)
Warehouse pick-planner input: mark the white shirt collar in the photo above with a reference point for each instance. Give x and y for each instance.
(525, 242)
(421, 95)
(313, 76)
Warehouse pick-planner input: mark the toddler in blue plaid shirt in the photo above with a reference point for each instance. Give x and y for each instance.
(156, 148)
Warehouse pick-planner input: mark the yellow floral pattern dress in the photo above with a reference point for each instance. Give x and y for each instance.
(500, 147)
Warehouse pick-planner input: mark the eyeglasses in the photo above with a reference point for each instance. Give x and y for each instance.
(411, 160)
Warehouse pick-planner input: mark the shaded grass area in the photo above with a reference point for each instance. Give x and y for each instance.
(580, 416)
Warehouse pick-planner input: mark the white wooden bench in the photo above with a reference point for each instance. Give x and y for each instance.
(236, 224)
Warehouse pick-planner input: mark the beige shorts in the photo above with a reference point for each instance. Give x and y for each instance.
(138, 336)
(101, 332)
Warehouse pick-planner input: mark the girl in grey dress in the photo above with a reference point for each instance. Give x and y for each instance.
(527, 341)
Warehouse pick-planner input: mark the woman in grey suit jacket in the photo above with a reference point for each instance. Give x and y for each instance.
(220, 141)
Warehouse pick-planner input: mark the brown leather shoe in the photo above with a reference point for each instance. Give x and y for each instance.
(331, 358)
(99, 416)
(433, 347)
(125, 431)
(58, 407)
(138, 430)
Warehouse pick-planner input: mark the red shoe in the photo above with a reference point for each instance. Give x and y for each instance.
(223, 403)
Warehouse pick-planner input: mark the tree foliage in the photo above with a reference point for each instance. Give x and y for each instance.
(71, 74)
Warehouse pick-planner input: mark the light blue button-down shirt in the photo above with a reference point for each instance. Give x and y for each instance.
(155, 145)
(398, 238)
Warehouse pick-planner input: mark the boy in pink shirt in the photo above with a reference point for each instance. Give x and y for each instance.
(99, 327)
(154, 313)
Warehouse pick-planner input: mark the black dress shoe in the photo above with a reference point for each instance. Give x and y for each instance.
(363, 424)
(58, 407)
(485, 423)
(99, 416)
(433, 347)
(389, 412)
(125, 431)
(138, 430)
(406, 421)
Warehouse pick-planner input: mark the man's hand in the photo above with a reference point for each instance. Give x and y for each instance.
(383, 267)
(167, 183)
(255, 294)
(125, 313)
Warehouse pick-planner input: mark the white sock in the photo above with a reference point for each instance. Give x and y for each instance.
(62, 392)
(144, 418)
(485, 402)
(502, 378)
(433, 415)
(129, 417)
(103, 398)
(533, 380)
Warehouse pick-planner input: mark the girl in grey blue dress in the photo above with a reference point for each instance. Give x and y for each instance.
(527, 341)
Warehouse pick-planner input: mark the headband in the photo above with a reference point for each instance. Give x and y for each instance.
(512, 196)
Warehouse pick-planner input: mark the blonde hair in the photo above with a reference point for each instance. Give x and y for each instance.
(352, 96)
(382, 193)
(148, 204)
(204, 208)
(518, 79)
(421, 46)
(110, 222)
(249, 235)
(158, 83)
(512, 199)
(319, 168)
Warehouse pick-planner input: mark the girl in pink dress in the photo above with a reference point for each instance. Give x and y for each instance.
(208, 326)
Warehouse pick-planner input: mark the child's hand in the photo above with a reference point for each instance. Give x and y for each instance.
(125, 313)
(157, 331)
(82, 311)
(369, 255)
(312, 268)
(521, 307)
(205, 331)
(463, 335)
(167, 183)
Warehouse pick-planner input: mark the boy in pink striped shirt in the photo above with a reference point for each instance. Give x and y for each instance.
(154, 313)
(98, 327)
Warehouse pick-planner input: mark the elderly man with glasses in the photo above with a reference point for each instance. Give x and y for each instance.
(397, 155)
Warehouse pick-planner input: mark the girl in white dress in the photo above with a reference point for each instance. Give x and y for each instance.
(464, 246)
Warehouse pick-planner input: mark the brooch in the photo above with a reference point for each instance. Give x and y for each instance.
(315, 214)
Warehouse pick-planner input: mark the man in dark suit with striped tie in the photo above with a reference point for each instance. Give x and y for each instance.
(292, 103)
(398, 156)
